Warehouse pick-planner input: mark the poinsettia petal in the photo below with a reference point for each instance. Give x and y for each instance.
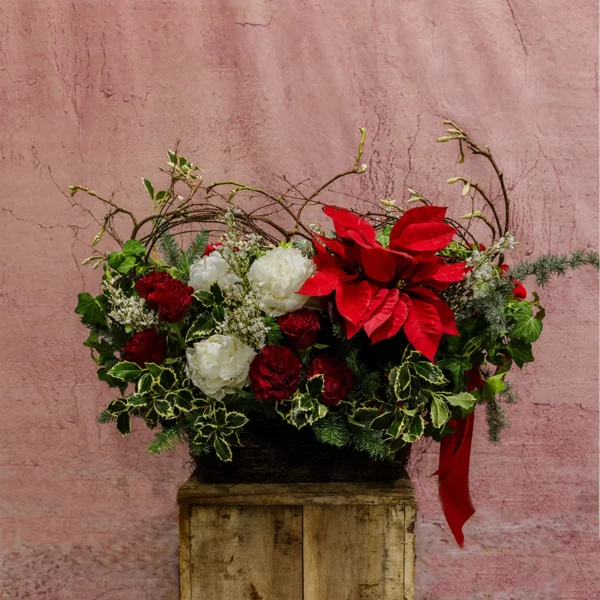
(419, 214)
(350, 226)
(447, 319)
(425, 236)
(437, 272)
(353, 299)
(379, 263)
(423, 327)
(341, 250)
(382, 313)
(322, 283)
(393, 325)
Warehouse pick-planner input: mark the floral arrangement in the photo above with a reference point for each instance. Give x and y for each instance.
(373, 328)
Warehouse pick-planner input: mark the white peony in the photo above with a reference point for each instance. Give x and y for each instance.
(212, 269)
(277, 276)
(219, 365)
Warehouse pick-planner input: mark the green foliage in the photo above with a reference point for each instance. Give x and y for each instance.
(172, 253)
(332, 430)
(197, 247)
(166, 440)
(554, 265)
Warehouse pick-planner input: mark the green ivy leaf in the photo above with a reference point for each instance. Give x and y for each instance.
(223, 449)
(493, 385)
(127, 371)
(465, 401)
(126, 265)
(439, 412)
(520, 351)
(133, 248)
(91, 309)
(111, 381)
(527, 327)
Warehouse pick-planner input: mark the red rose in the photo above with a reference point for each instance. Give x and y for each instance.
(339, 379)
(300, 327)
(210, 248)
(148, 283)
(168, 295)
(519, 290)
(145, 346)
(274, 373)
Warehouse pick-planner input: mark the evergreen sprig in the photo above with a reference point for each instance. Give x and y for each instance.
(554, 265)
(166, 440)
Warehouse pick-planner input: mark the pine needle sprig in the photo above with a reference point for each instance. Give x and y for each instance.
(166, 440)
(554, 265)
(496, 419)
(169, 248)
(197, 247)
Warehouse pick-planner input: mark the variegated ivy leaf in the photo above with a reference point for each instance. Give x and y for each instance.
(314, 386)
(124, 423)
(429, 372)
(383, 421)
(116, 407)
(414, 430)
(493, 385)
(306, 411)
(465, 401)
(201, 327)
(400, 378)
(363, 416)
(527, 327)
(126, 371)
(222, 449)
(439, 411)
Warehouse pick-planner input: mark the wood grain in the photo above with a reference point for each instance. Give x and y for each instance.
(246, 552)
(185, 553)
(354, 553)
(299, 494)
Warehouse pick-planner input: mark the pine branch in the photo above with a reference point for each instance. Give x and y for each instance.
(508, 394)
(105, 417)
(197, 247)
(496, 420)
(332, 430)
(166, 440)
(173, 254)
(370, 441)
(551, 265)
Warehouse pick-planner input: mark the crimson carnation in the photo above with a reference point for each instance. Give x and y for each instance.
(168, 295)
(144, 347)
(274, 373)
(300, 327)
(338, 378)
(210, 248)
(145, 285)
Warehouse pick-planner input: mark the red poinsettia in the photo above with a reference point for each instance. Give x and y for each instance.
(382, 289)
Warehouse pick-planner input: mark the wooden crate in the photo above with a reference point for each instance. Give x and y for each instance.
(317, 541)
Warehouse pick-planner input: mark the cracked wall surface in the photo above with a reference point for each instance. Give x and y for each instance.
(93, 92)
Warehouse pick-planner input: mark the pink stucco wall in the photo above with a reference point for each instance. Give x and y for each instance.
(96, 90)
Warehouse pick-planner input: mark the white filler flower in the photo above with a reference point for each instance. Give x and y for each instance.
(209, 270)
(219, 365)
(277, 276)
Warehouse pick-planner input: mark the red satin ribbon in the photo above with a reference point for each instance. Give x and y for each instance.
(453, 471)
(453, 483)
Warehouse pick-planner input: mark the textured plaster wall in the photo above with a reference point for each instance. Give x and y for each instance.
(95, 91)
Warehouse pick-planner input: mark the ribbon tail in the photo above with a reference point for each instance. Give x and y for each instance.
(453, 483)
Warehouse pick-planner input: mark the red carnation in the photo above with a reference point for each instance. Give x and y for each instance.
(519, 290)
(210, 248)
(338, 378)
(300, 327)
(145, 346)
(384, 289)
(274, 373)
(168, 295)
(149, 282)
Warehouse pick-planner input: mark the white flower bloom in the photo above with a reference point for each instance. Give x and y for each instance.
(277, 276)
(209, 270)
(219, 365)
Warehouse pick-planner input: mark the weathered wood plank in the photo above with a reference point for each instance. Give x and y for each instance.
(246, 553)
(300, 494)
(410, 516)
(354, 553)
(185, 553)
